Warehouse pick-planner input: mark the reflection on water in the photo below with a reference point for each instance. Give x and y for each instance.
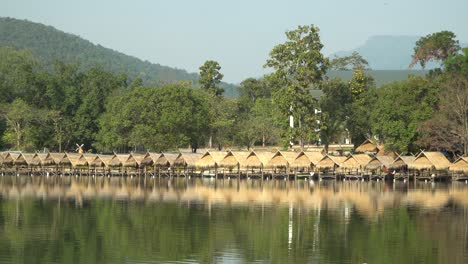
(121, 220)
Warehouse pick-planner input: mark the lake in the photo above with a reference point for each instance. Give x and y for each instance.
(138, 220)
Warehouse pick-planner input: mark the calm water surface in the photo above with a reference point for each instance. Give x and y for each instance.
(101, 220)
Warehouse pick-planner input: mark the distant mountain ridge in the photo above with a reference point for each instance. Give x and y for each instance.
(386, 52)
(50, 44)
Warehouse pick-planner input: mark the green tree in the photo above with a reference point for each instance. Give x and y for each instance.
(210, 78)
(19, 118)
(347, 63)
(435, 47)
(299, 65)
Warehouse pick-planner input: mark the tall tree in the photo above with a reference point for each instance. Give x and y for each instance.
(19, 117)
(347, 63)
(210, 78)
(435, 47)
(299, 65)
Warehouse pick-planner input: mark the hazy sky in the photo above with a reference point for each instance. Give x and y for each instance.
(238, 33)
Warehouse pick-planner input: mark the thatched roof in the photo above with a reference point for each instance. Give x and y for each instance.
(264, 157)
(234, 158)
(367, 146)
(188, 159)
(330, 161)
(143, 159)
(93, 160)
(210, 159)
(110, 160)
(306, 159)
(166, 159)
(77, 159)
(251, 161)
(60, 158)
(383, 152)
(356, 161)
(27, 159)
(46, 159)
(281, 159)
(402, 161)
(127, 160)
(430, 160)
(461, 164)
(379, 162)
(10, 157)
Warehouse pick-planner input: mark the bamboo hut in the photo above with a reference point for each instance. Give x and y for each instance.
(234, 159)
(10, 157)
(46, 159)
(251, 161)
(356, 162)
(77, 160)
(187, 159)
(110, 161)
(94, 160)
(143, 160)
(211, 159)
(307, 159)
(430, 161)
(166, 159)
(27, 160)
(330, 162)
(379, 162)
(402, 162)
(60, 159)
(127, 160)
(460, 165)
(367, 147)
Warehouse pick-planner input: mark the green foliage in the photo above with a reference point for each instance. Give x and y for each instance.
(210, 77)
(437, 46)
(347, 63)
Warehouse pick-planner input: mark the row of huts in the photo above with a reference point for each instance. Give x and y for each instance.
(236, 163)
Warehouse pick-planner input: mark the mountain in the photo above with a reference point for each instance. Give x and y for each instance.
(389, 52)
(50, 44)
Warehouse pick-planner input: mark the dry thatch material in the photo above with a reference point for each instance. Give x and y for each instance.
(188, 159)
(143, 159)
(166, 159)
(10, 157)
(27, 159)
(367, 146)
(383, 152)
(93, 160)
(211, 159)
(154, 156)
(60, 158)
(402, 161)
(460, 165)
(307, 159)
(234, 159)
(282, 159)
(265, 158)
(356, 161)
(127, 160)
(77, 159)
(379, 162)
(110, 160)
(330, 162)
(430, 160)
(46, 159)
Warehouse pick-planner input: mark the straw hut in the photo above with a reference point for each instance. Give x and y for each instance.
(110, 160)
(429, 161)
(234, 159)
(187, 159)
(77, 159)
(251, 161)
(10, 157)
(380, 162)
(383, 152)
(211, 159)
(460, 165)
(330, 162)
(93, 160)
(402, 162)
(166, 159)
(367, 147)
(127, 160)
(356, 162)
(143, 159)
(307, 159)
(154, 156)
(60, 159)
(46, 159)
(265, 158)
(27, 159)
(282, 159)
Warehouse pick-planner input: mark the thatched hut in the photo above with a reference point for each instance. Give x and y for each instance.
(77, 160)
(127, 160)
(279, 160)
(367, 147)
(27, 159)
(251, 161)
(460, 165)
(265, 158)
(143, 160)
(356, 162)
(383, 152)
(60, 159)
(379, 162)
(46, 159)
(93, 160)
(166, 159)
(110, 161)
(430, 161)
(187, 159)
(233, 159)
(402, 162)
(307, 159)
(211, 159)
(330, 162)
(10, 157)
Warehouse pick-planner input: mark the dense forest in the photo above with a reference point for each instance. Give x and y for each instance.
(58, 106)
